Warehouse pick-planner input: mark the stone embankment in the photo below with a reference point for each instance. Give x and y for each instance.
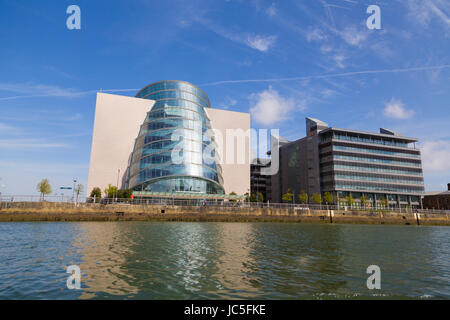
(54, 211)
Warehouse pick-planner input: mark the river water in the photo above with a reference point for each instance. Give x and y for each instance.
(207, 260)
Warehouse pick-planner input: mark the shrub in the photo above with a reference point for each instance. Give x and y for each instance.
(316, 198)
(303, 197)
(287, 197)
(97, 193)
(328, 198)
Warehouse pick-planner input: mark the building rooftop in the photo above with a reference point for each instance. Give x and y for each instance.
(442, 193)
(395, 136)
(317, 121)
(437, 193)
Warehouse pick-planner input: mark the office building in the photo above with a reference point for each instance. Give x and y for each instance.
(439, 200)
(379, 166)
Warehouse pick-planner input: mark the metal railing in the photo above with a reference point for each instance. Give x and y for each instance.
(35, 198)
(207, 203)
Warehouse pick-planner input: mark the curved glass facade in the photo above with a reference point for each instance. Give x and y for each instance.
(172, 151)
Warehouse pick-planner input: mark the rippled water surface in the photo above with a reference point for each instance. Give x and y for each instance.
(168, 260)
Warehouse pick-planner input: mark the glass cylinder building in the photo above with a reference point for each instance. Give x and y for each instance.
(174, 150)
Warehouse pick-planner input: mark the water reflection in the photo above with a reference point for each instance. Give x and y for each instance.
(291, 261)
(104, 248)
(167, 260)
(192, 257)
(234, 262)
(250, 260)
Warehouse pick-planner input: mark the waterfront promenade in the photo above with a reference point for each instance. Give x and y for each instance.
(129, 210)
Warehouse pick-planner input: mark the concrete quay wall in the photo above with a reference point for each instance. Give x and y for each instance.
(54, 211)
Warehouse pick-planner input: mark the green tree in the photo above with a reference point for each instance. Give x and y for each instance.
(384, 202)
(363, 200)
(316, 198)
(111, 191)
(96, 193)
(124, 194)
(44, 188)
(287, 197)
(350, 200)
(232, 193)
(328, 198)
(260, 197)
(78, 190)
(247, 197)
(303, 197)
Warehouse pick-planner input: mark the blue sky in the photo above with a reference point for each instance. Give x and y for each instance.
(280, 61)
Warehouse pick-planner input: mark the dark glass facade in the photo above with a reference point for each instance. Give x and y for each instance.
(260, 183)
(376, 165)
(175, 150)
(379, 166)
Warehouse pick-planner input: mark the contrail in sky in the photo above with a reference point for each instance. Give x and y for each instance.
(329, 75)
(65, 93)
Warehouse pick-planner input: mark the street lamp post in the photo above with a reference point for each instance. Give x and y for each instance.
(117, 185)
(73, 190)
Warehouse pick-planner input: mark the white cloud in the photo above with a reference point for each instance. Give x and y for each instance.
(258, 42)
(59, 72)
(270, 107)
(28, 143)
(232, 102)
(354, 36)
(424, 12)
(436, 156)
(261, 43)
(382, 49)
(271, 11)
(339, 59)
(395, 109)
(326, 49)
(5, 128)
(76, 116)
(315, 35)
(326, 93)
(434, 75)
(228, 102)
